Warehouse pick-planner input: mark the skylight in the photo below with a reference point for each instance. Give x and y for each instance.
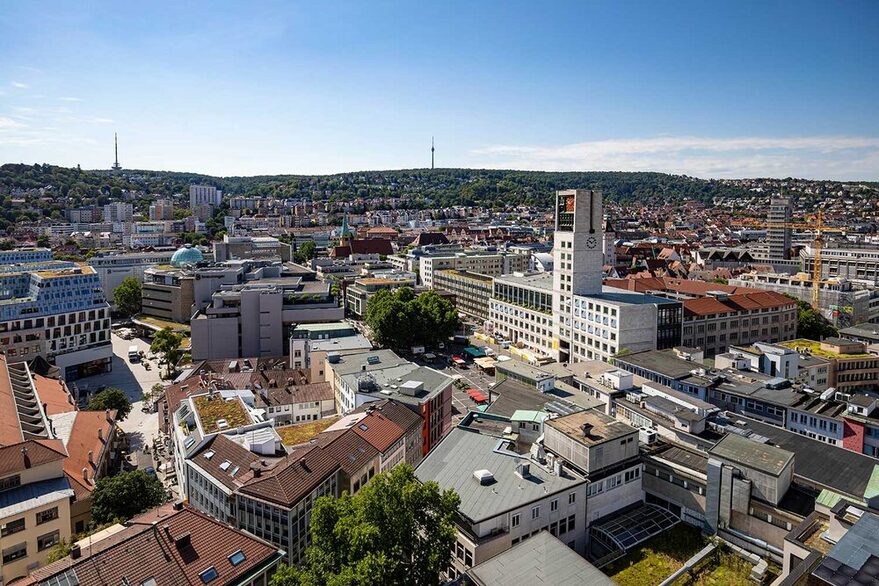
(225, 465)
(209, 575)
(209, 454)
(237, 557)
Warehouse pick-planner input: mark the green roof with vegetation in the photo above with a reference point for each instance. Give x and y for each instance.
(212, 409)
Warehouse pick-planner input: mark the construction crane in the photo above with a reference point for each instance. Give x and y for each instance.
(819, 228)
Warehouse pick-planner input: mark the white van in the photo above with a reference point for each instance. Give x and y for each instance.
(133, 354)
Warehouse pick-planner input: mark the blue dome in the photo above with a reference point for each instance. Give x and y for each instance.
(186, 255)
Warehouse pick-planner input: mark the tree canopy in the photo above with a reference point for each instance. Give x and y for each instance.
(400, 319)
(811, 324)
(167, 343)
(128, 297)
(306, 251)
(125, 495)
(396, 530)
(111, 398)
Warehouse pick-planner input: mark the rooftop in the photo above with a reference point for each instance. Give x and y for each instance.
(218, 414)
(543, 559)
(300, 433)
(750, 453)
(452, 464)
(603, 428)
(665, 362)
(815, 348)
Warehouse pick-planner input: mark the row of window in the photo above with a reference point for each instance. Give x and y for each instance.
(19, 551)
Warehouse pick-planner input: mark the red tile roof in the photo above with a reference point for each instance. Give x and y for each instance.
(174, 549)
(293, 478)
(379, 431)
(747, 302)
(29, 454)
(84, 439)
(54, 395)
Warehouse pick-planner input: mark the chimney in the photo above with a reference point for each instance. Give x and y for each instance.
(91, 457)
(178, 505)
(25, 457)
(304, 465)
(256, 469)
(100, 434)
(587, 429)
(85, 474)
(75, 552)
(107, 415)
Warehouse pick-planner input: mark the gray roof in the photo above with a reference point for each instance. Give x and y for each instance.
(452, 464)
(617, 296)
(855, 557)
(764, 457)
(520, 368)
(340, 344)
(387, 370)
(533, 280)
(664, 362)
(540, 560)
(36, 494)
(828, 466)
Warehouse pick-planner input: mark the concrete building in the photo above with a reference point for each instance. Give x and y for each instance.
(161, 209)
(251, 247)
(488, 263)
(310, 344)
(35, 505)
(358, 293)
(852, 366)
(844, 303)
(112, 268)
(778, 237)
(358, 379)
(118, 212)
(472, 291)
(168, 293)
(506, 497)
(520, 310)
(25, 256)
(204, 194)
(849, 261)
(56, 310)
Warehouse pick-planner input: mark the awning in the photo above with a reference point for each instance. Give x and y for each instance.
(474, 352)
(477, 395)
(485, 362)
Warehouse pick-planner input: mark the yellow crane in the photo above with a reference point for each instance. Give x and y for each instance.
(819, 228)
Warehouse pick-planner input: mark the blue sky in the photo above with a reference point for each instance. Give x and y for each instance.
(712, 89)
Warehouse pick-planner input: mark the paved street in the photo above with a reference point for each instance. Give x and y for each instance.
(134, 380)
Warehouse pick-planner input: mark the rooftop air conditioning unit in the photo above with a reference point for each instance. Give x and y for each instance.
(484, 477)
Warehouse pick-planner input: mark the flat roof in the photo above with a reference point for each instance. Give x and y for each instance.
(763, 457)
(520, 368)
(452, 463)
(542, 559)
(532, 280)
(829, 466)
(665, 362)
(604, 427)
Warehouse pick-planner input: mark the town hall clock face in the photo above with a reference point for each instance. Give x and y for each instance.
(591, 242)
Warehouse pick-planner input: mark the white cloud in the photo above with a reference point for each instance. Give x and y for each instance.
(9, 123)
(20, 85)
(845, 157)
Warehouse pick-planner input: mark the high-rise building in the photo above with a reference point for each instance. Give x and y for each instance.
(204, 194)
(778, 236)
(118, 212)
(591, 321)
(161, 209)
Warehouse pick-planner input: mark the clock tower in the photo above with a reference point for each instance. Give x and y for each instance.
(578, 258)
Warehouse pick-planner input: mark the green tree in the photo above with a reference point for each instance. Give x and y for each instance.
(400, 318)
(305, 252)
(128, 297)
(396, 530)
(811, 324)
(43, 241)
(60, 550)
(438, 318)
(167, 343)
(125, 495)
(111, 398)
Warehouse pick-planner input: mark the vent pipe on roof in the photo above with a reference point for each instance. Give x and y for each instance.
(91, 457)
(100, 434)
(85, 474)
(75, 552)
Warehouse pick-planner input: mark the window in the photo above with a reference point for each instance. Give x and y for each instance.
(535, 512)
(10, 482)
(16, 552)
(12, 527)
(208, 575)
(47, 515)
(554, 505)
(237, 557)
(572, 498)
(48, 540)
(514, 520)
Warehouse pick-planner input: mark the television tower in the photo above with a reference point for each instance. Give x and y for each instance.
(431, 152)
(116, 165)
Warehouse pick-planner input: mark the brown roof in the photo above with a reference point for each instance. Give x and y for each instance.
(38, 452)
(84, 439)
(747, 302)
(293, 478)
(371, 246)
(430, 238)
(54, 395)
(379, 431)
(396, 412)
(350, 450)
(294, 394)
(223, 451)
(10, 431)
(174, 550)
